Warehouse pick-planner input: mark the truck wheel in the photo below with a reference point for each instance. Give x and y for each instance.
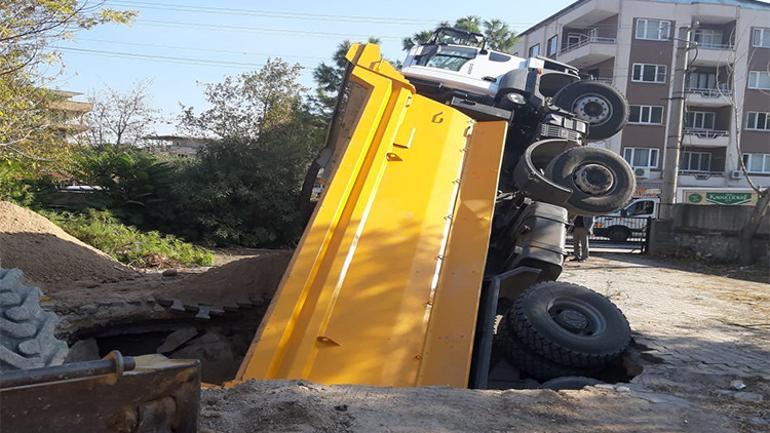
(600, 180)
(601, 105)
(570, 325)
(570, 382)
(618, 234)
(521, 357)
(28, 339)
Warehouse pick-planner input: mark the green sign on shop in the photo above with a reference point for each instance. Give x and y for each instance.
(695, 198)
(728, 198)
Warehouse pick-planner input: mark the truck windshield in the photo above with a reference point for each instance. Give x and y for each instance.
(450, 58)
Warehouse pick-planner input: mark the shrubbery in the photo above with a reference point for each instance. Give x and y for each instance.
(127, 244)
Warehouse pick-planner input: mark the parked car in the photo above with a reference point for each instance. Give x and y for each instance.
(628, 222)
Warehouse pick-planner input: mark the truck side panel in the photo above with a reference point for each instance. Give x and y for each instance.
(359, 296)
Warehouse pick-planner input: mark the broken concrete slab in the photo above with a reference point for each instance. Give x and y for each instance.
(177, 339)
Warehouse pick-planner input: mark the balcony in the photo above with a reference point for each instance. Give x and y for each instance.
(713, 55)
(698, 137)
(701, 178)
(714, 97)
(589, 51)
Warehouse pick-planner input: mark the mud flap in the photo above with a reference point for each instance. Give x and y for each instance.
(157, 395)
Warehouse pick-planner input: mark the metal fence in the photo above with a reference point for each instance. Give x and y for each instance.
(621, 233)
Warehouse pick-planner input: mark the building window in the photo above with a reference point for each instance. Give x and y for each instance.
(757, 162)
(655, 30)
(758, 121)
(699, 120)
(759, 80)
(646, 114)
(574, 39)
(640, 157)
(553, 46)
(695, 161)
(760, 38)
(534, 50)
(702, 80)
(647, 73)
(708, 38)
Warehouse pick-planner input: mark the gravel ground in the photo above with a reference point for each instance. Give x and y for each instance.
(703, 338)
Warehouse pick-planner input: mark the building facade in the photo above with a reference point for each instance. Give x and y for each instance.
(632, 44)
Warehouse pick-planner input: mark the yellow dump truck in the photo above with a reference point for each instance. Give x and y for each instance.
(441, 211)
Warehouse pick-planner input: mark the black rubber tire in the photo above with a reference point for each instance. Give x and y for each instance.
(507, 345)
(570, 96)
(26, 331)
(618, 234)
(570, 382)
(563, 167)
(532, 321)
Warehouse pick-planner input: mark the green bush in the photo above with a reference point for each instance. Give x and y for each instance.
(133, 180)
(127, 244)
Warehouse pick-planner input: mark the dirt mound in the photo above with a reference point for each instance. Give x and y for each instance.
(243, 282)
(50, 257)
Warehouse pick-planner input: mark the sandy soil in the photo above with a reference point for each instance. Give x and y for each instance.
(702, 331)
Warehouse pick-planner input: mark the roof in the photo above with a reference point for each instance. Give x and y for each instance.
(746, 4)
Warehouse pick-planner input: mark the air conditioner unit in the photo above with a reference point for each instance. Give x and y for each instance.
(736, 174)
(642, 172)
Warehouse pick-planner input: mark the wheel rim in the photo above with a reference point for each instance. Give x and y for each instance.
(594, 179)
(577, 317)
(594, 109)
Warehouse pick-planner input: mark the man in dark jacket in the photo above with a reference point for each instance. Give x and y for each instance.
(583, 227)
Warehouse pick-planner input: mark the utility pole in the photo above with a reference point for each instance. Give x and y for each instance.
(675, 124)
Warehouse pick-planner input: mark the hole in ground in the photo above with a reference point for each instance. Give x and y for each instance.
(219, 343)
(503, 375)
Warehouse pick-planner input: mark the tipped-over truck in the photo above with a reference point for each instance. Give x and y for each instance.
(445, 194)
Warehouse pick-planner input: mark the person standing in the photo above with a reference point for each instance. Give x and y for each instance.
(583, 227)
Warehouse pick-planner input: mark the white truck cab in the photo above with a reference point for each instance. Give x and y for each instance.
(630, 221)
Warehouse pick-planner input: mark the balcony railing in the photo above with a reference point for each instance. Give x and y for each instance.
(711, 46)
(710, 93)
(706, 133)
(588, 40)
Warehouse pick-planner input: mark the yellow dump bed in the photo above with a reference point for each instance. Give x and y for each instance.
(383, 288)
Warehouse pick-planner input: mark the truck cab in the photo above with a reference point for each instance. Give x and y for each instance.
(628, 222)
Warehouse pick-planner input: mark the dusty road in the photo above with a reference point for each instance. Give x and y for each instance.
(705, 336)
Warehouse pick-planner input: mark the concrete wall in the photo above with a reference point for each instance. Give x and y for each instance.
(708, 232)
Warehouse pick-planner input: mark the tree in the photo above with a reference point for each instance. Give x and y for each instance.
(120, 118)
(329, 77)
(760, 209)
(27, 29)
(247, 106)
(499, 35)
(244, 186)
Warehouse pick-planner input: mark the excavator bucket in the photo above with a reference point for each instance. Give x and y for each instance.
(383, 288)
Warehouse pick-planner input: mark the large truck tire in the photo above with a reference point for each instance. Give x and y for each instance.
(601, 105)
(570, 325)
(508, 345)
(600, 180)
(26, 331)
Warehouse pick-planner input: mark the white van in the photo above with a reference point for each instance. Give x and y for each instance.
(630, 221)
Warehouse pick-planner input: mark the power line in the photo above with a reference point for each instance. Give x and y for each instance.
(211, 50)
(164, 59)
(276, 14)
(248, 29)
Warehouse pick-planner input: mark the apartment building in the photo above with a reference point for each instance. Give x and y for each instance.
(631, 44)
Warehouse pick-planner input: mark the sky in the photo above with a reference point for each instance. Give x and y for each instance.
(182, 43)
